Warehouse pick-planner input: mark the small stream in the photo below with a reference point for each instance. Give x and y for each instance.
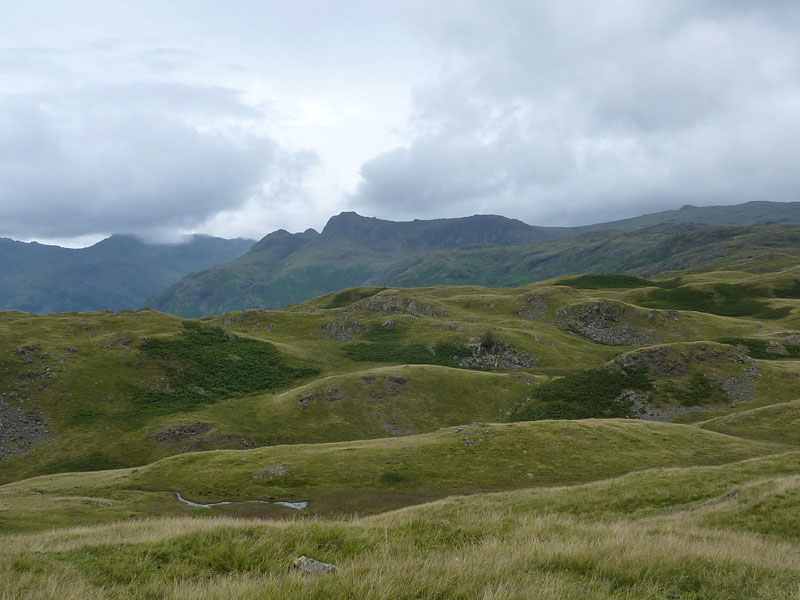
(294, 505)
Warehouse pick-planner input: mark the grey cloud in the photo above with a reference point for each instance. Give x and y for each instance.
(569, 112)
(166, 59)
(135, 158)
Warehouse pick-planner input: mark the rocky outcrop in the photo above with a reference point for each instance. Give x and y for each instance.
(675, 360)
(532, 306)
(743, 388)
(20, 432)
(642, 408)
(344, 330)
(499, 355)
(606, 322)
(674, 367)
(395, 304)
(179, 433)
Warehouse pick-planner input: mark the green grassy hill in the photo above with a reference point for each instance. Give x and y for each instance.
(105, 390)
(600, 436)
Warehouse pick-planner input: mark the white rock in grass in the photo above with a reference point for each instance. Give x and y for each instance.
(315, 567)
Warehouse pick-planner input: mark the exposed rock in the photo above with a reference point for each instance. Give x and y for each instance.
(390, 324)
(20, 432)
(344, 330)
(743, 389)
(789, 337)
(776, 347)
(602, 322)
(312, 567)
(395, 384)
(395, 304)
(271, 473)
(28, 349)
(305, 401)
(532, 306)
(499, 356)
(333, 394)
(643, 409)
(182, 432)
(672, 361)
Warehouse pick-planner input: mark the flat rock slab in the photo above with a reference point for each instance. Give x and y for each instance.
(314, 567)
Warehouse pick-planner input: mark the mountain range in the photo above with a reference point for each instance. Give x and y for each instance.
(117, 273)
(207, 275)
(352, 250)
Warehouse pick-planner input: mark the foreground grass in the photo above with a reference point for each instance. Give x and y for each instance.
(373, 475)
(574, 542)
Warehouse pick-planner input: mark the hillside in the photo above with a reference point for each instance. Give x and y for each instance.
(748, 213)
(352, 250)
(610, 435)
(117, 273)
(286, 268)
(110, 390)
(643, 252)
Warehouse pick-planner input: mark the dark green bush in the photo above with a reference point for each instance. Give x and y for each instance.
(205, 364)
(726, 299)
(389, 351)
(585, 395)
(94, 461)
(790, 291)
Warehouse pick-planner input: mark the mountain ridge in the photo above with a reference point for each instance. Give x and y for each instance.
(118, 272)
(492, 250)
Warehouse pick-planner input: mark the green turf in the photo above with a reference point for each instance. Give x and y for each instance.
(602, 282)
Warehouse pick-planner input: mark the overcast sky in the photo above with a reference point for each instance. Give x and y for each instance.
(238, 118)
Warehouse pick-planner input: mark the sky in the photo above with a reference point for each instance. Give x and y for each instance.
(162, 118)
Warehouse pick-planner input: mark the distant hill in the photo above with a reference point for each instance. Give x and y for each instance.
(748, 213)
(352, 250)
(285, 268)
(119, 272)
(644, 252)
